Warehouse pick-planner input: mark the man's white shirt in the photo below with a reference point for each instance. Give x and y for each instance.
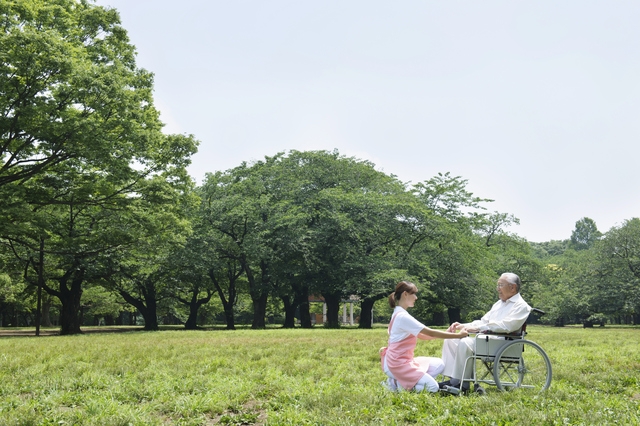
(504, 317)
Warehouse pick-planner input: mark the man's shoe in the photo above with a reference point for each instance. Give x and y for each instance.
(444, 384)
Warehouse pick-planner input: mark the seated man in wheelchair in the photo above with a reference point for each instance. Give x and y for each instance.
(506, 316)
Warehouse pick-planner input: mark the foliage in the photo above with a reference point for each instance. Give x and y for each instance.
(81, 146)
(593, 279)
(618, 256)
(101, 304)
(585, 234)
(310, 223)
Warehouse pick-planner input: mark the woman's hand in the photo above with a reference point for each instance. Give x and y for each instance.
(454, 327)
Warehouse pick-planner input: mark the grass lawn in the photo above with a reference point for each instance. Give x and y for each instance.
(296, 377)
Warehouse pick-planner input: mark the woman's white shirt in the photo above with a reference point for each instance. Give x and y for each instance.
(404, 325)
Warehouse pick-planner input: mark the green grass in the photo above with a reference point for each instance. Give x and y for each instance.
(295, 377)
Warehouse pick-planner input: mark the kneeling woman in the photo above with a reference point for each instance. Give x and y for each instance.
(404, 330)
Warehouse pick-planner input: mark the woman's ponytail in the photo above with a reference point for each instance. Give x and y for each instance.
(392, 300)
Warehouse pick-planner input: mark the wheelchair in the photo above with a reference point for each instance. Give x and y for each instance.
(507, 361)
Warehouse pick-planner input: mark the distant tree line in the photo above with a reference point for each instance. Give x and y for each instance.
(591, 278)
(100, 222)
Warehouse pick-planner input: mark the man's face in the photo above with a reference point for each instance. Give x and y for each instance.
(505, 289)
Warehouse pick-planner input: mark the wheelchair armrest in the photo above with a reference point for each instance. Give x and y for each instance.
(493, 333)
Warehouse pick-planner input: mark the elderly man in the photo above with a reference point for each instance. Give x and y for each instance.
(506, 316)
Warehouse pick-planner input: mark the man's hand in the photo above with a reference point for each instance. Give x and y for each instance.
(453, 327)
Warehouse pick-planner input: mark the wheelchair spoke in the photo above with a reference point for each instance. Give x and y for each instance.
(522, 364)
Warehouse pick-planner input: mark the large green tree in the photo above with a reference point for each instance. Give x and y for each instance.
(349, 224)
(80, 141)
(458, 251)
(618, 290)
(236, 218)
(70, 89)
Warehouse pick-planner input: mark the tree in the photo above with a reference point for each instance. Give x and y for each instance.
(76, 222)
(70, 90)
(585, 234)
(236, 213)
(308, 223)
(618, 255)
(347, 223)
(457, 253)
(78, 128)
(192, 288)
(142, 271)
(101, 304)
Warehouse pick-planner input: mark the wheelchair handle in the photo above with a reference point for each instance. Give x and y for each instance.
(538, 311)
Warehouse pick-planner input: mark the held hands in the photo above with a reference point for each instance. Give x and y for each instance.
(454, 327)
(459, 328)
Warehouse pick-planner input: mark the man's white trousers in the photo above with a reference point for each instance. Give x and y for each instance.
(454, 354)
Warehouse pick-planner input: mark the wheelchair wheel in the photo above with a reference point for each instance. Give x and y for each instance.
(522, 364)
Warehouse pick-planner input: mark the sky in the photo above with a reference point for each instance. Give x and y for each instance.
(535, 104)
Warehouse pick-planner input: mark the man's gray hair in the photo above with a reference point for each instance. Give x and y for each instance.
(512, 279)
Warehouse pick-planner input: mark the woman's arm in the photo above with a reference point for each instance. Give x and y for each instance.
(443, 334)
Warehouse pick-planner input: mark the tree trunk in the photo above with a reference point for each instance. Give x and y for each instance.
(454, 315)
(227, 304)
(305, 316)
(146, 305)
(40, 285)
(46, 308)
(366, 307)
(259, 311)
(438, 318)
(192, 320)
(150, 314)
(259, 290)
(70, 313)
(194, 306)
(302, 297)
(109, 320)
(229, 317)
(4, 318)
(333, 310)
(289, 312)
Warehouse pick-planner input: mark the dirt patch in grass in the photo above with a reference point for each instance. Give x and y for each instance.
(251, 413)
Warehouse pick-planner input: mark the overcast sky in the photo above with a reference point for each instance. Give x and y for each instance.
(536, 104)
